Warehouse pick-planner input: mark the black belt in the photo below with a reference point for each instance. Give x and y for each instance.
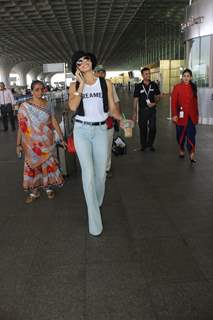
(91, 123)
(6, 104)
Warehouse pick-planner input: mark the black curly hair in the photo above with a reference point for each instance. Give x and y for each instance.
(79, 54)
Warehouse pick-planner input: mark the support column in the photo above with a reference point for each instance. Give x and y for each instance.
(22, 69)
(5, 67)
(48, 77)
(4, 75)
(35, 72)
(41, 76)
(23, 79)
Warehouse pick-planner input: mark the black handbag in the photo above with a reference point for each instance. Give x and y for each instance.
(119, 146)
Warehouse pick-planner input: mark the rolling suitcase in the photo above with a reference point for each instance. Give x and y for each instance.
(67, 161)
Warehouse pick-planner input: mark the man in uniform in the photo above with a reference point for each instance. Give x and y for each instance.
(101, 72)
(146, 96)
(6, 103)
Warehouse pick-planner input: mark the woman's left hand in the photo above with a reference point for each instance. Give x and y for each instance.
(122, 123)
(19, 150)
(64, 144)
(125, 123)
(79, 76)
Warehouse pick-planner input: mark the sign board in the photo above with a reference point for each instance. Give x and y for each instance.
(199, 19)
(53, 67)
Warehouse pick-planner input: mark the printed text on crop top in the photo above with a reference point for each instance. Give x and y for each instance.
(93, 103)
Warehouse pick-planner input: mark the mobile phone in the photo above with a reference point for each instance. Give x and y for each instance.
(80, 73)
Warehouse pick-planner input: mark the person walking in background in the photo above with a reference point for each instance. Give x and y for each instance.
(91, 98)
(7, 102)
(146, 96)
(101, 72)
(185, 114)
(36, 140)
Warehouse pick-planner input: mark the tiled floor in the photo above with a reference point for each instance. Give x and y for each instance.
(154, 260)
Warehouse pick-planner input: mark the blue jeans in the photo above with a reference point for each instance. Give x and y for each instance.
(91, 147)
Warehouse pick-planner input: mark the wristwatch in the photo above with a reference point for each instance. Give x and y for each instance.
(76, 93)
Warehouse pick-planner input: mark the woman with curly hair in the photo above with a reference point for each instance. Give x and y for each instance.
(91, 99)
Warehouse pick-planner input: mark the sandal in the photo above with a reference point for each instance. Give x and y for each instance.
(50, 194)
(181, 154)
(32, 197)
(192, 158)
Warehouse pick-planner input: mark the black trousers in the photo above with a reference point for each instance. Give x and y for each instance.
(147, 125)
(7, 111)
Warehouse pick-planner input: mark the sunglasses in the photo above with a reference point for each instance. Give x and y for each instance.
(82, 60)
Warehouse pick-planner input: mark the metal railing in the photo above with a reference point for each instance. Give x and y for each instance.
(60, 96)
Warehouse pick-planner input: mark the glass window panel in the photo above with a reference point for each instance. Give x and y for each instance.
(204, 61)
(194, 58)
(199, 60)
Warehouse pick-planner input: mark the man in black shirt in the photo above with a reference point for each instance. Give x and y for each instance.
(146, 96)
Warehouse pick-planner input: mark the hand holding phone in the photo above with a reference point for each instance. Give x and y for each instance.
(79, 76)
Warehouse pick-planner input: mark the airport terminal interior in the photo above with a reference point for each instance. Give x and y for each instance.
(154, 258)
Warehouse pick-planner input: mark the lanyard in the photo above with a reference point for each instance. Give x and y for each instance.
(147, 93)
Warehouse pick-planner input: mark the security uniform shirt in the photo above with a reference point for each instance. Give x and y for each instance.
(146, 114)
(144, 92)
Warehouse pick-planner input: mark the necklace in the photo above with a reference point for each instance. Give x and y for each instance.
(39, 105)
(91, 81)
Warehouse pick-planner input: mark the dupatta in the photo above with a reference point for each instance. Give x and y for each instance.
(36, 131)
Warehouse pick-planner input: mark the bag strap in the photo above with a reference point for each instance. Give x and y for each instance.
(104, 90)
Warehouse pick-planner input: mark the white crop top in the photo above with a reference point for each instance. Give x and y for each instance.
(93, 103)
